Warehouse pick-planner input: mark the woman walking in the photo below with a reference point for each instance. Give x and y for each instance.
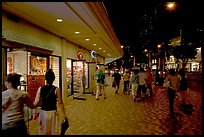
(48, 121)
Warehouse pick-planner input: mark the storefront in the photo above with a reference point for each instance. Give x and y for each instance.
(76, 69)
(31, 62)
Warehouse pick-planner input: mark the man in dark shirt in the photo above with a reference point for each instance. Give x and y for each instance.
(117, 78)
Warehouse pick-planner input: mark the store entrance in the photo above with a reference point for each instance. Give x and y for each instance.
(79, 79)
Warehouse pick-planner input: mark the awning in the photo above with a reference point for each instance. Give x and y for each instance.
(108, 60)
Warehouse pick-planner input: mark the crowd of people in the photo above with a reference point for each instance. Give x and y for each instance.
(137, 82)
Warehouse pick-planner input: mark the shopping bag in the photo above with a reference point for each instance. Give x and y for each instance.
(64, 126)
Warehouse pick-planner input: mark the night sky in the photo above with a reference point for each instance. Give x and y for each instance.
(126, 17)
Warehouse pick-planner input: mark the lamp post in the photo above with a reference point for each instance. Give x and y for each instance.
(170, 6)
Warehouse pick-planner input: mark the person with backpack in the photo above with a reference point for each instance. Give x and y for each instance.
(100, 84)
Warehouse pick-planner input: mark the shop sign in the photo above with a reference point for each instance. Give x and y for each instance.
(80, 55)
(10, 65)
(93, 54)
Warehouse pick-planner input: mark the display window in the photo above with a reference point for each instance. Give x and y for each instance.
(69, 76)
(55, 62)
(80, 76)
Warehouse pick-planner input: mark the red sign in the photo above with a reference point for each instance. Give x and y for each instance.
(80, 55)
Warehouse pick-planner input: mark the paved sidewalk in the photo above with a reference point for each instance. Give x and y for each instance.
(119, 115)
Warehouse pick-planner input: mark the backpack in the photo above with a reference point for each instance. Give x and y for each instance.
(101, 77)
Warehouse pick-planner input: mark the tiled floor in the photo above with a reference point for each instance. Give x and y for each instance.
(119, 115)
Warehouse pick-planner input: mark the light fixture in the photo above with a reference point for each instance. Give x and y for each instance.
(87, 39)
(59, 20)
(159, 46)
(104, 51)
(122, 46)
(94, 44)
(76, 32)
(99, 48)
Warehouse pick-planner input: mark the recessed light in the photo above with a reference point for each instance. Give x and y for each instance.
(99, 48)
(87, 39)
(59, 20)
(94, 44)
(104, 51)
(76, 32)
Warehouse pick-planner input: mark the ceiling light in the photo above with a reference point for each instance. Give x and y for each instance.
(94, 44)
(76, 32)
(104, 51)
(59, 20)
(99, 48)
(87, 39)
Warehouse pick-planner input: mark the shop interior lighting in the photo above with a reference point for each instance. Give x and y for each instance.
(87, 39)
(76, 32)
(94, 44)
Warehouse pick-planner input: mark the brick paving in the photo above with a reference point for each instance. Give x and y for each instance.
(119, 115)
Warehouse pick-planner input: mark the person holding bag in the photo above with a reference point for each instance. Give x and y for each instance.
(48, 121)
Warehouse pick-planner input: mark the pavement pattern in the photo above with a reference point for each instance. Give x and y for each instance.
(119, 115)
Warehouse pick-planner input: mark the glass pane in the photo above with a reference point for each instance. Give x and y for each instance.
(54, 64)
(69, 75)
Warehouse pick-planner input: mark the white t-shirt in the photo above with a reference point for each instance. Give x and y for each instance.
(15, 111)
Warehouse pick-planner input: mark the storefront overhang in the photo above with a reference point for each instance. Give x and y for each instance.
(90, 19)
(13, 44)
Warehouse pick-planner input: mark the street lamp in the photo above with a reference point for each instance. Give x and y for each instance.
(170, 6)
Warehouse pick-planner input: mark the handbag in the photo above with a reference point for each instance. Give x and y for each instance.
(64, 126)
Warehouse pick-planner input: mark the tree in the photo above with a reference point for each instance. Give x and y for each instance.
(184, 52)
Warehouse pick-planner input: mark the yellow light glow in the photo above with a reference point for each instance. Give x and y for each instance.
(171, 5)
(87, 39)
(59, 20)
(76, 32)
(159, 46)
(122, 46)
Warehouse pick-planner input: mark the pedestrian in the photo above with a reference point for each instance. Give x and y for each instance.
(49, 95)
(149, 81)
(126, 79)
(95, 81)
(142, 83)
(172, 89)
(183, 85)
(134, 81)
(117, 78)
(13, 101)
(100, 84)
(83, 82)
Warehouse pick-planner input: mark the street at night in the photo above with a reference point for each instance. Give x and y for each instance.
(109, 67)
